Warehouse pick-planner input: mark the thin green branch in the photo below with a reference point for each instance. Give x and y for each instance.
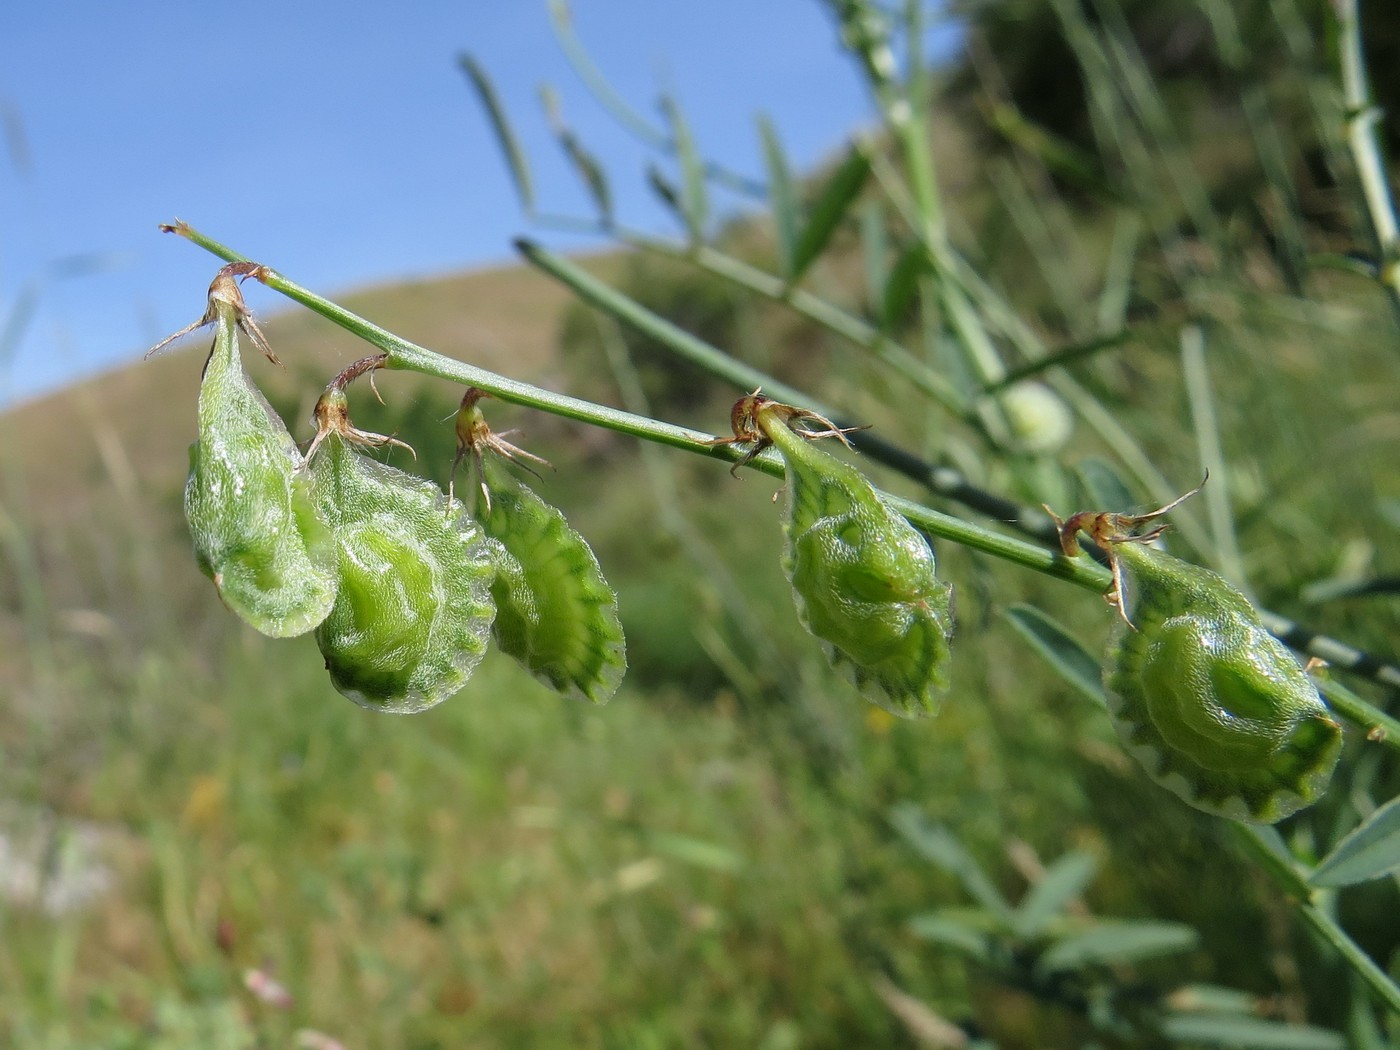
(1082, 572)
(408, 356)
(944, 481)
(1264, 846)
(1362, 116)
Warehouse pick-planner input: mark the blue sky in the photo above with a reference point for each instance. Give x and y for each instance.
(340, 143)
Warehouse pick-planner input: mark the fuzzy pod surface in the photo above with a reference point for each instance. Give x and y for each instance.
(863, 578)
(255, 528)
(555, 613)
(1215, 708)
(413, 611)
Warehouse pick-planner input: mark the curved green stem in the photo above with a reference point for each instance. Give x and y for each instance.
(402, 354)
(1082, 571)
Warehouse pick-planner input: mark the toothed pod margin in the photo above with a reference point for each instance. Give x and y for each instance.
(1216, 709)
(255, 531)
(414, 610)
(555, 613)
(862, 576)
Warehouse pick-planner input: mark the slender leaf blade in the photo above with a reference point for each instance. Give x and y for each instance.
(782, 195)
(501, 126)
(951, 934)
(585, 164)
(1248, 1033)
(903, 284)
(695, 201)
(1060, 650)
(1122, 942)
(1370, 851)
(700, 853)
(1063, 881)
(938, 846)
(836, 198)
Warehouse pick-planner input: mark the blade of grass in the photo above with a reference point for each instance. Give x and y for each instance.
(505, 133)
(782, 197)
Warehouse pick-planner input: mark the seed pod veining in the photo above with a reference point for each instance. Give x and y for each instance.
(1214, 706)
(413, 610)
(555, 613)
(256, 533)
(863, 577)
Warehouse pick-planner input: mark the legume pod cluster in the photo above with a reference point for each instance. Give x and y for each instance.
(400, 584)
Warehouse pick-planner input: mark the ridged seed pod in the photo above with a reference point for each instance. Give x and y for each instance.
(555, 613)
(863, 577)
(255, 530)
(1216, 709)
(413, 611)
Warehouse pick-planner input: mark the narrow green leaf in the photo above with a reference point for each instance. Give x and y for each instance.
(1370, 851)
(875, 250)
(903, 284)
(1059, 155)
(589, 170)
(1213, 999)
(1103, 485)
(938, 846)
(665, 191)
(505, 134)
(1124, 942)
(1248, 1033)
(782, 196)
(695, 201)
(1060, 650)
(952, 934)
(1063, 881)
(697, 852)
(831, 206)
(1058, 358)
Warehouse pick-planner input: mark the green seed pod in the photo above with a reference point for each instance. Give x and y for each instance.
(413, 609)
(1215, 708)
(255, 531)
(863, 577)
(555, 613)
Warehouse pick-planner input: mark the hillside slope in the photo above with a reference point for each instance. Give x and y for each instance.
(68, 455)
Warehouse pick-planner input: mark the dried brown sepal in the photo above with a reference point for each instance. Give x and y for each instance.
(1107, 529)
(332, 414)
(743, 420)
(224, 290)
(475, 438)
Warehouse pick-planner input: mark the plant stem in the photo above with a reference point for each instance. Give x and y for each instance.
(1263, 844)
(1082, 572)
(1362, 116)
(401, 354)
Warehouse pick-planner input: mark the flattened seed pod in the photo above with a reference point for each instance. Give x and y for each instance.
(255, 530)
(863, 577)
(1215, 708)
(413, 610)
(555, 613)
